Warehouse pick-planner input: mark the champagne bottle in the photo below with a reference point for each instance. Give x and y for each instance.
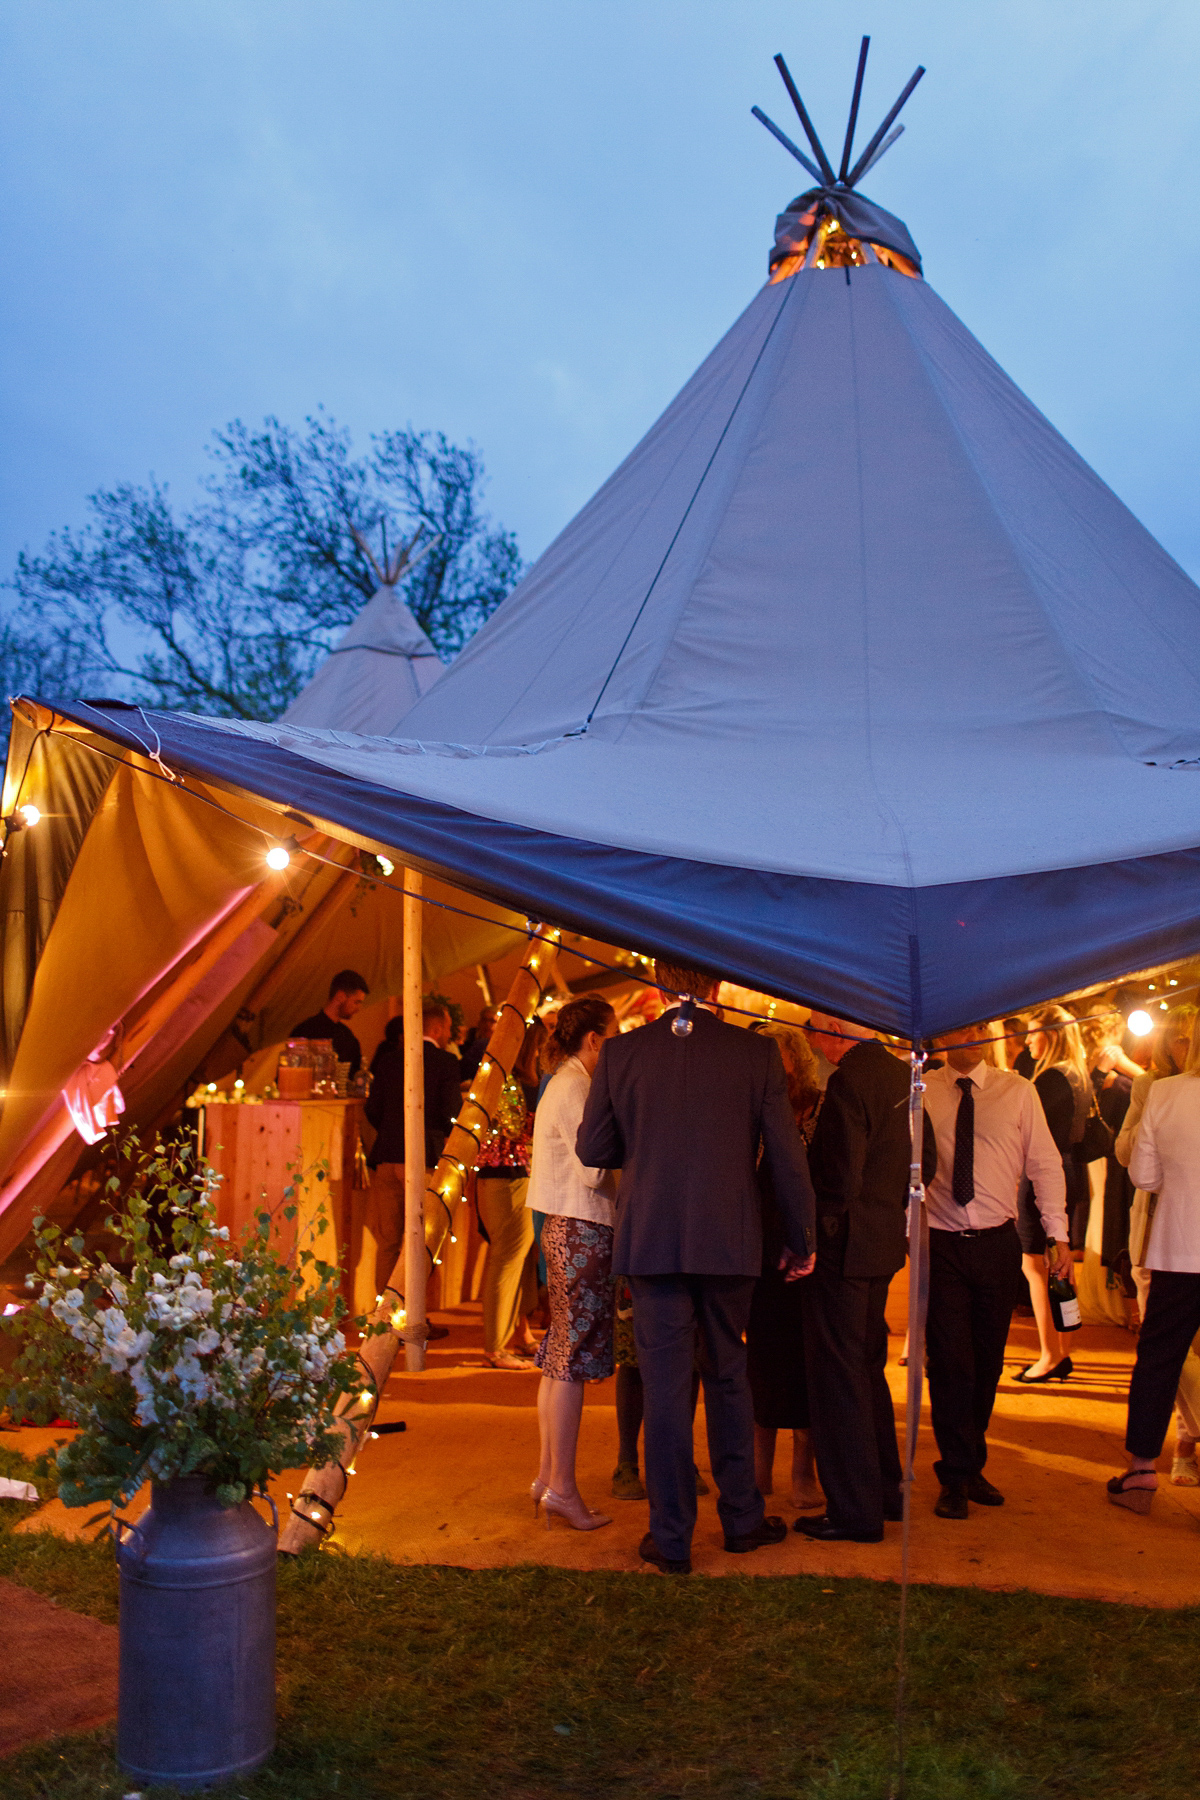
(1064, 1303)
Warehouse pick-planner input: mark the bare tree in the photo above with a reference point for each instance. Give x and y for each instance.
(229, 607)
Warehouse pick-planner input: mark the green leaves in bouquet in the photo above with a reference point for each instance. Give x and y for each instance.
(178, 1352)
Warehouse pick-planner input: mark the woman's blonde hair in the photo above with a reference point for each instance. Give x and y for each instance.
(799, 1065)
(1181, 1021)
(1064, 1040)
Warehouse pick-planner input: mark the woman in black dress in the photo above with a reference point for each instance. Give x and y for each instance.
(1064, 1087)
(774, 1336)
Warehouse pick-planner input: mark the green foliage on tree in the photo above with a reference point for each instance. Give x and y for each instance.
(229, 607)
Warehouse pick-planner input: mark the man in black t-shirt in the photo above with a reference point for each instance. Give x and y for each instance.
(347, 991)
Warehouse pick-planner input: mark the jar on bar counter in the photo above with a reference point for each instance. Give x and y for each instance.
(295, 1078)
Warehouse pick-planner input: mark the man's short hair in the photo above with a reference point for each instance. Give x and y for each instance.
(434, 1009)
(676, 978)
(348, 981)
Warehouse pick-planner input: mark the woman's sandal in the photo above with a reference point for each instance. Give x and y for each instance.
(1137, 1499)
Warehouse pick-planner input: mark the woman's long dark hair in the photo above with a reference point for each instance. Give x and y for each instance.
(572, 1026)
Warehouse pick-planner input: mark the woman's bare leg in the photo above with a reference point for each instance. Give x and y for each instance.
(764, 1458)
(806, 1489)
(1051, 1343)
(564, 1408)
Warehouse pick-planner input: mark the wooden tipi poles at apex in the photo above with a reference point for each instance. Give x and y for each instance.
(314, 1507)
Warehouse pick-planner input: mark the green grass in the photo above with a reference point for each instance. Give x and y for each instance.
(532, 1683)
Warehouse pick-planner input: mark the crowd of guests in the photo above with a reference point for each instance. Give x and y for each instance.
(721, 1207)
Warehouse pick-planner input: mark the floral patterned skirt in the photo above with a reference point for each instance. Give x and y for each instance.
(579, 1343)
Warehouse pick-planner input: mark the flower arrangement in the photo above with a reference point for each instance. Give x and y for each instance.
(197, 1356)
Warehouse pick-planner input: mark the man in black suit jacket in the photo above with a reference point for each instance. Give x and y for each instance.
(860, 1158)
(681, 1108)
(385, 1110)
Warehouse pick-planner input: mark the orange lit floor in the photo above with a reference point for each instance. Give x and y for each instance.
(453, 1487)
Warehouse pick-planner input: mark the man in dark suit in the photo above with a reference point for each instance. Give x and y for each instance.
(681, 1108)
(385, 1110)
(859, 1158)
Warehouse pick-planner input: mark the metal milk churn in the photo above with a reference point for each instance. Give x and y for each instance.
(196, 1697)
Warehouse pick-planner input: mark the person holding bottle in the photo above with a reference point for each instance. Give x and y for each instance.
(1064, 1087)
(991, 1132)
(577, 1239)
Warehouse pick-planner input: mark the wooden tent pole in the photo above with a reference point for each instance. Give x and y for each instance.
(314, 1507)
(416, 1264)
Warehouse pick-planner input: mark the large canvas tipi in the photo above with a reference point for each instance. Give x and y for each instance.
(853, 681)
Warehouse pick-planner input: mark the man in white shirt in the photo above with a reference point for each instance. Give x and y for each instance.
(991, 1132)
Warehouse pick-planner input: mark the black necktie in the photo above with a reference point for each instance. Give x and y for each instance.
(962, 1182)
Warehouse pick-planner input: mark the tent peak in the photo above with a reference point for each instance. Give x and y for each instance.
(833, 210)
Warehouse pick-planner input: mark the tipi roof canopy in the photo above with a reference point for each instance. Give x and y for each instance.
(834, 206)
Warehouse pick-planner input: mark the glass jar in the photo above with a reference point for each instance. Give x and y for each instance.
(296, 1070)
(324, 1066)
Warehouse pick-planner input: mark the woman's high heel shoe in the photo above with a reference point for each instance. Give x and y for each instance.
(577, 1515)
(1059, 1372)
(537, 1488)
(1137, 1499)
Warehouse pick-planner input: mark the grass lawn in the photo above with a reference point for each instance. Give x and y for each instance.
(532, 1683)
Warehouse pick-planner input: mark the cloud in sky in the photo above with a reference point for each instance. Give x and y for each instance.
(527, 224)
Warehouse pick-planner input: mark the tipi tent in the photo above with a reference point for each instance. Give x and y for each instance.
(380, 667)
(853, 681)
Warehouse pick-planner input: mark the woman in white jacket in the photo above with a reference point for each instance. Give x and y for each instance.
(1170, 1049)
(1166, 1162)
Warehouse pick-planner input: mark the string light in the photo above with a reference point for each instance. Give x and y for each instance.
(386, 864)
(278, 858)
(29, 814)
(1140, 1023)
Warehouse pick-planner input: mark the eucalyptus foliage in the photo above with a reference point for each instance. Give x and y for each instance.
(196, 1356)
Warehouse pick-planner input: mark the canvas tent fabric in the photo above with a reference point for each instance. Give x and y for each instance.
(147, 920)
(374, 675)
(852, 682)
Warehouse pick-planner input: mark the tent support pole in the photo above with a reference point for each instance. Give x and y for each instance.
(416, 1262)
(312, 1515)
(918, 1305)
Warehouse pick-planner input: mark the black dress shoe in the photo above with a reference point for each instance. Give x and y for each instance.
(952, 1501)
(826, 1532)
(893, 1511)
(771, 1531)
(649, 1552)
(983, 1493)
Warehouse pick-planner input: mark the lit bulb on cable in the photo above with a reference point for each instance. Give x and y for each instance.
(1140, 1023)
(30, 814)
(278, 857)
(387, 866)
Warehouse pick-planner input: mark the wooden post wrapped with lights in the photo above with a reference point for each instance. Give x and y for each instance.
(313, 1508)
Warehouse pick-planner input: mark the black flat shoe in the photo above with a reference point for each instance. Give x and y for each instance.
(649, 1552)
(826, 1532)
(771, 1531)
(952, 1502)
(983, 1493)
(1059, 1372)
(893, 1511)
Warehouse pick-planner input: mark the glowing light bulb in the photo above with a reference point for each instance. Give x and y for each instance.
(30, 814)
(1140, 1023)
(239, 1083)
(277, 857)
(453, 1239)
(212, 1087)
(366, 1396)
(386, 865)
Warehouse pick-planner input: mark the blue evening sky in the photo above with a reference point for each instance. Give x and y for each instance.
(525, 224)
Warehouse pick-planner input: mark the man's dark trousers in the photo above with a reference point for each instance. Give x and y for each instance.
(668, 1310)
(973, 1278)
(853, 1422)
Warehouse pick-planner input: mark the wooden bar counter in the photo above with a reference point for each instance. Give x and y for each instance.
(260, 1149)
